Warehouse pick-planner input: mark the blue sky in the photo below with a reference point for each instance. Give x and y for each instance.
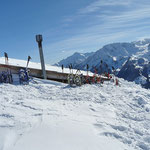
(68, 26)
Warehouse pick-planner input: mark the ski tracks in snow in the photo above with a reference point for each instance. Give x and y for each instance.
(120, 113)
(132, 124)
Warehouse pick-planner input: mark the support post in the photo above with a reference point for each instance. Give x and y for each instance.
(39, 40)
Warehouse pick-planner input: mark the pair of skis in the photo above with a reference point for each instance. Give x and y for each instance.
(6, 77)
(77, 79)
(24, 73)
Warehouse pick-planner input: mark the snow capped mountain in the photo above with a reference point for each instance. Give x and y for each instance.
(117, 55)
(142, 42)
(75, 59)
(132, 69)
(112, 55)
(136, 69)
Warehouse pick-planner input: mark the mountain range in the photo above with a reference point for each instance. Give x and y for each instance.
(75, 59)
(130, 60)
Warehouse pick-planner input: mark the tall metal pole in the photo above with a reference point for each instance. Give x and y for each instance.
(39, 40)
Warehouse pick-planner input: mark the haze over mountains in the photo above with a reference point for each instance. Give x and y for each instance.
(131, 60)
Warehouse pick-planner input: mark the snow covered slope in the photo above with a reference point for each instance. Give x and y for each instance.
(51, 115)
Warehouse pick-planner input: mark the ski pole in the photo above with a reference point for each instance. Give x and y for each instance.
(6, 58)
(87, 67)
(62, 67)
(29, 58)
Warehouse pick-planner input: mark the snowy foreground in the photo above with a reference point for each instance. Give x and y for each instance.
(53, 116)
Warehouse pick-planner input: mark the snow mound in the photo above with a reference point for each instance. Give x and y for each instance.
(51, 115)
